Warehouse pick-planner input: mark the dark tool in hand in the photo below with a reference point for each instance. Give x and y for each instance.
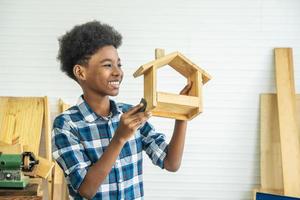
(144, 102)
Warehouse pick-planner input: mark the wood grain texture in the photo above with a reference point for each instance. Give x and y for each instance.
(47, 129)
(11, 149)
(270, 146)
(150, 89)
(162, 104)
(177, 100)
(159, 53)
(155, 63)
(21, 120)
(289, 130)
(44, 168)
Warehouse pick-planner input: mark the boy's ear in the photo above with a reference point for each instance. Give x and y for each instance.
(79, 72)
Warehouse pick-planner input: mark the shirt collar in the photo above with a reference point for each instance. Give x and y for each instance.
(89, 115)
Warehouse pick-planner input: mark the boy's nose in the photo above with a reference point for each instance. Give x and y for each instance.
(117, 71)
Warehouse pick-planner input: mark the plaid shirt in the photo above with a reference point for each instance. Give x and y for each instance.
(79, 139)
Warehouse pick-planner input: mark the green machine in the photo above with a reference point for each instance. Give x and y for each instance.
(12, 167)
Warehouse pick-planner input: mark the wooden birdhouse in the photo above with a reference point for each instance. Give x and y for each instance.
(162, 104)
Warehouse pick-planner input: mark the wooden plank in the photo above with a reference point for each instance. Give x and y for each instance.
(270, 146)
(178, 61)
(47, 128)
(25, 115)
(11, 149)
(8, 129)
(178, 100)
(197, 84)
(196, 90)
(271, 163)
(169, 115)
(62, 105)
(44, 167)
(159, 53)
(158, 62)
(150, 88)
(289, 130)
(182, 66)
(205, 76)
(194, 113)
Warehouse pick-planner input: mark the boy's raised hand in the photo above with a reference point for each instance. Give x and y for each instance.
(130, 122)
(186, 89)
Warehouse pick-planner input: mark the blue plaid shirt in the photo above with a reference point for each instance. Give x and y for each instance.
(79, 139)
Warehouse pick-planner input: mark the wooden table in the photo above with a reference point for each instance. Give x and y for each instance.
(30, 192)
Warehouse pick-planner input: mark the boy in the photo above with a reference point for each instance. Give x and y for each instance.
(98, 143)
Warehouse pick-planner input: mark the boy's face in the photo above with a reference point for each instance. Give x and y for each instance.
(103, 73)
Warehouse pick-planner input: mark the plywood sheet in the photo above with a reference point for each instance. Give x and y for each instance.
(270, 147)
(21, 120)
(289, 131)
(11, 149)
(271, 164)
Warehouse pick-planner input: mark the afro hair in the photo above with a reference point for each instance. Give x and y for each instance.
(81, 42)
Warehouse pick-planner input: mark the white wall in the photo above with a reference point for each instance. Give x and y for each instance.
(233, 40)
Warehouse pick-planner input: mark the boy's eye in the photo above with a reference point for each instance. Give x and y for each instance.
(107, 65)
(111, 65)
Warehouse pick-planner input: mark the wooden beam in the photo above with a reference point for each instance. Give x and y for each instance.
(158, 62)
(159, 53)
(196, 79)
(21, 120)
(177, 100)
(172, 115)
(47, 129)
(48, 162)
(150, 88)
(44, 168)
(270, 147)
(289, 130)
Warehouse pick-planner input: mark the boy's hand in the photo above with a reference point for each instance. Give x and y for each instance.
(186, 89)
(130, 122)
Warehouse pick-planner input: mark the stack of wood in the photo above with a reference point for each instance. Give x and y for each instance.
(280, 136)
(22, 121)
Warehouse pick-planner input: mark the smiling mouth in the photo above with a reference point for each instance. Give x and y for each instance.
(114, 84)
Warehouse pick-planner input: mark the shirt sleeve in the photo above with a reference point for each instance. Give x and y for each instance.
(69, 152)
(154, 144)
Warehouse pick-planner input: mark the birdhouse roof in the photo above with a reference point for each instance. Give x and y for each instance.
(177, 61)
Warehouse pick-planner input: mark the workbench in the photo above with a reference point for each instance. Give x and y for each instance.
(30, 192)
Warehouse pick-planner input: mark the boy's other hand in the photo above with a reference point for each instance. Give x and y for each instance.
(186, 89)
(130, 122)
